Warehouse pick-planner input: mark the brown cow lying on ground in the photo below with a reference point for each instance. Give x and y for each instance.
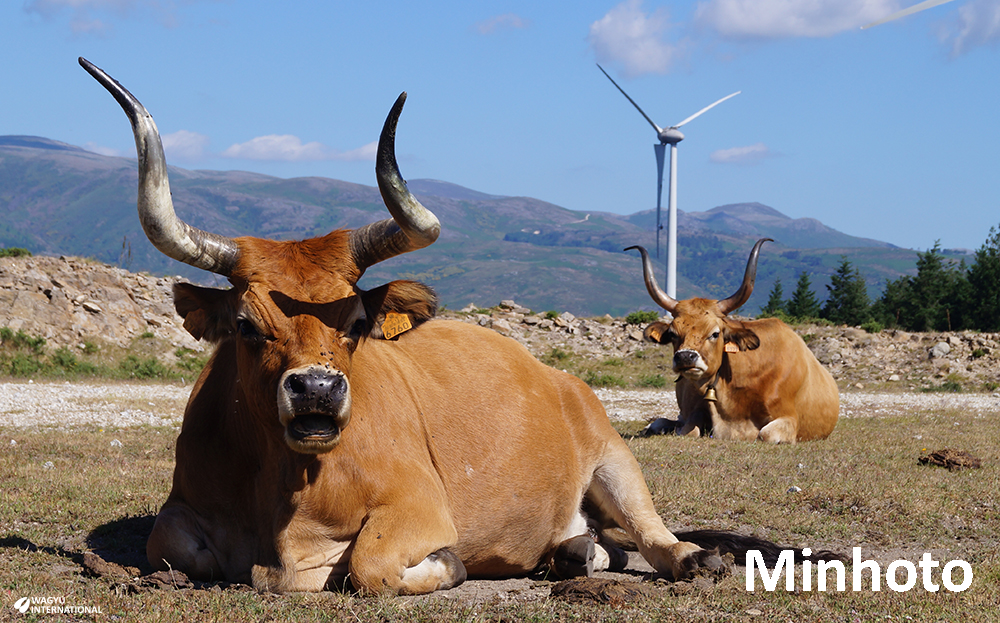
(741, 379)
(342, 434)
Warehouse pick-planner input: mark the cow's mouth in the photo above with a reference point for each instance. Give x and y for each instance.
(313, 433)
(692, 372)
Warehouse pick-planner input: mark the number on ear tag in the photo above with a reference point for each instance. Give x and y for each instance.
(395, 324)
(732, 348)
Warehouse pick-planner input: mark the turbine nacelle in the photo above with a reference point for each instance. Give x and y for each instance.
(670, 136)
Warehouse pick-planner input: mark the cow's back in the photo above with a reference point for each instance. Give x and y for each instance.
(513, 442)
(799, 376)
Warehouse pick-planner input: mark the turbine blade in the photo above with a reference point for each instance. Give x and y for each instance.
(655, 127)
(916, 8)
(706, 109)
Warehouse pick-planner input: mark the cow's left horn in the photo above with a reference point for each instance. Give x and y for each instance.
(660, 297)
(412, 226)
(735, 301)
(172, 236)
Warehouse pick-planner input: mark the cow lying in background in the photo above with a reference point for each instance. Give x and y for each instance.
(341, 435)
(741, 379)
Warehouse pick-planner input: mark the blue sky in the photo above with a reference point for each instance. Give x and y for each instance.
(890, 133)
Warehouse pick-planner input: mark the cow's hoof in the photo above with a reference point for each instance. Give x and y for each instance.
(701, 562)
(574, 558)
(617, 557)
(455, 574)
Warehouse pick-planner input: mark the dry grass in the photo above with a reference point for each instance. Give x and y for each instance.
(66, 492)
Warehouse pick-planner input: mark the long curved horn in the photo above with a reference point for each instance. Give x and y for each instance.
(659, 296)
(412, 226)
(172, 236)
(746, 288)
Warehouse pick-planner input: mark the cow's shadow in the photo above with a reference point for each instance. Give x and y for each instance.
(123, 542)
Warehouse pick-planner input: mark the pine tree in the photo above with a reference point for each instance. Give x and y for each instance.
(848, 302)
(803, 304)
(928, 301)
(775, 301)
(983, 286)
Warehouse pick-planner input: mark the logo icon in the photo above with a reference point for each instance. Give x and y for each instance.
(22, 605)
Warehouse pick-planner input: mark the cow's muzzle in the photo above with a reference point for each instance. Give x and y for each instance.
(314, 405)
(689, 363)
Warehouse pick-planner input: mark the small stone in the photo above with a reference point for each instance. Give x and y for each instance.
(793, 489)
(91, 306)
(116, 443)
(48, 465)
(941, 349)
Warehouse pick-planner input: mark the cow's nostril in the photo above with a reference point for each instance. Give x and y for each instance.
(294, 384)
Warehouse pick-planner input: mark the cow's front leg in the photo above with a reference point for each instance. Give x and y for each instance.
(781, 430)
(406, 551)
(178, 542)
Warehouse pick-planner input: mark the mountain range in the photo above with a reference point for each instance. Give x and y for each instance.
(59, 199)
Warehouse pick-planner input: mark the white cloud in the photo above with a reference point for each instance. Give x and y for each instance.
(507, 21)
(289, 148)
(978, 24)
(184, 145)
(96, 17)
(777, 19)
(751, 154)
(629, 36)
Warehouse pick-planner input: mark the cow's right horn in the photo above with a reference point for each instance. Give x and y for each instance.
(172, 236)
(735, 301)
(660, 297)
(412, 226)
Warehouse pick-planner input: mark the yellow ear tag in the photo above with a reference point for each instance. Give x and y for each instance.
(732, 348)
(395, 324)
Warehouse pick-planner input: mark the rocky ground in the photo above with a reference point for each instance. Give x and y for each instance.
(71, 300)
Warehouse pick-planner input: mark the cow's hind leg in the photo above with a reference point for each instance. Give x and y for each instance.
(395, 554)
(619, 491)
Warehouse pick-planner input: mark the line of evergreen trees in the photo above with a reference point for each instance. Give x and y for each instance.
(943, 296)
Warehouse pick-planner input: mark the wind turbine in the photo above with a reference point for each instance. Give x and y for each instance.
(913, 9)
(668, 136)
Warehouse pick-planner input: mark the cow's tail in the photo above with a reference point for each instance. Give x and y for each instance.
(729, 543)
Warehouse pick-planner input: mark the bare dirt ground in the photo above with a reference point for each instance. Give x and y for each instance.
(68, 405)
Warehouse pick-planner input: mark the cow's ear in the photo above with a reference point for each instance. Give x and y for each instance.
(208, 313)
(397, 307)
(658, 332)
(739, 335)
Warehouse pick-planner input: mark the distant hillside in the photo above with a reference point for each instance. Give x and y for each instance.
(60, 199)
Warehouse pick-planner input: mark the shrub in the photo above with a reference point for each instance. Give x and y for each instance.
(872, 326)
(602, 379)
(136, 368)
(642, 317)
(15, 252)
(655, 381)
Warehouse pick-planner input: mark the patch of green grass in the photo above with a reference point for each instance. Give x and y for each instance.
(26, 356)
(952, 384)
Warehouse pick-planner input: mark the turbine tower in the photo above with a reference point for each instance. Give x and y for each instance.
(668, 136)
(916, 8)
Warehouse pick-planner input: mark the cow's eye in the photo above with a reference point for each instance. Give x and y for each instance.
(247, 330)
(714, 336)
(358, 328)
